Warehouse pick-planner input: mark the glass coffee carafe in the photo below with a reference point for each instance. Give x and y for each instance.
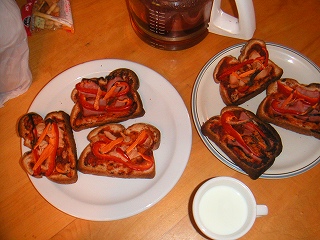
(176, 25)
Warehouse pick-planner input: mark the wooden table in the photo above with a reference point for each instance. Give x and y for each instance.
(103, 30)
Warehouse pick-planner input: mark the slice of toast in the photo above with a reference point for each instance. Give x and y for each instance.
(60, 165)
(112, 99)
(116, 151)
(250, 143)
(293, 106)
(243, 78)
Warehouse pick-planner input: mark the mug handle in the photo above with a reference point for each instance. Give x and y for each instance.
(224, 24)
(262, 210)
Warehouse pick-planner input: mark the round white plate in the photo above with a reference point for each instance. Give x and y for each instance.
(103, 198)
(300, 153)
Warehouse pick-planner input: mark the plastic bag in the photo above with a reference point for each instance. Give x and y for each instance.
(41, 15)
(15, 74)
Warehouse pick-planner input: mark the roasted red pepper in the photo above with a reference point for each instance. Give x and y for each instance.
(122, 88)
(226, 118)
(277, 106)
(287, 90)
(96, 150)
(107, 157)
(36, 171)
(81, 88)
(50, 152)
(238, 66)
(84, 103)
(54, 140)
(148, 163)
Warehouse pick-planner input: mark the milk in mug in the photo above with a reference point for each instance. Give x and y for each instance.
(223, 210)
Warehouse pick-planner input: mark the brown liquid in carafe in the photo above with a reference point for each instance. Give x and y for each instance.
(170, 25)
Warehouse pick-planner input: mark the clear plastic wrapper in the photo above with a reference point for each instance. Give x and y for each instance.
(41, 15)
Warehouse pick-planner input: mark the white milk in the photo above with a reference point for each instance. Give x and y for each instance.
(223, 210)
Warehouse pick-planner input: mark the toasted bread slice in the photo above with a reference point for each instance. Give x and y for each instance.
(61, 168)
(293, 106)
(243, 78)
(123, 102)
(115, 151)
(250, 143)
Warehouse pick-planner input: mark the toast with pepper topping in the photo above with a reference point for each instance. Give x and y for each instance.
(103, 100)
(53, 151)
(243, 78)
(116, 151)
(293, 106)
(249, 142)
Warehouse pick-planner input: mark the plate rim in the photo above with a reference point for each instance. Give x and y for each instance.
(228, 162)
(185, 127)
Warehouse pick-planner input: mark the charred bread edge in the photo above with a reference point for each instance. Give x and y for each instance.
(263, 115)
(253, 173)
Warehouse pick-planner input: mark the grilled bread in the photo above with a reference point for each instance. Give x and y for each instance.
(112, 99)
(250, 143)
(243, 78)
(53, 150)
(293, 106)
(116, 151)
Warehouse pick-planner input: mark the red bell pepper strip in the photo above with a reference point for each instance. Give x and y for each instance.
(43, 135)
(50, 152)
(81, 88)
(107, 157)
(140, 167)
(54, 141)
(283, 88)
(96, 150)
(238, 66)
(122, 86)
(111, 108)
(226, 117)
(107, 147)
(84, 103)
(143, 135)
(287, 90)
(36, 171)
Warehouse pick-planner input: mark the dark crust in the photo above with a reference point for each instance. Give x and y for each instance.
(253, 44)
(254, 171)
(287, 121)
(24, 131)
(120, 171)
(79, 122)
(69, 140)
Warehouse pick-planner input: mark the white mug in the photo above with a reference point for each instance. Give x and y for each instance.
(224, 208)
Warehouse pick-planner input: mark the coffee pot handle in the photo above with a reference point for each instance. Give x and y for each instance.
(224, 24)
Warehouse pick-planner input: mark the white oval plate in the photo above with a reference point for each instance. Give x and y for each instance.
(104, 198)
(300, 153)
